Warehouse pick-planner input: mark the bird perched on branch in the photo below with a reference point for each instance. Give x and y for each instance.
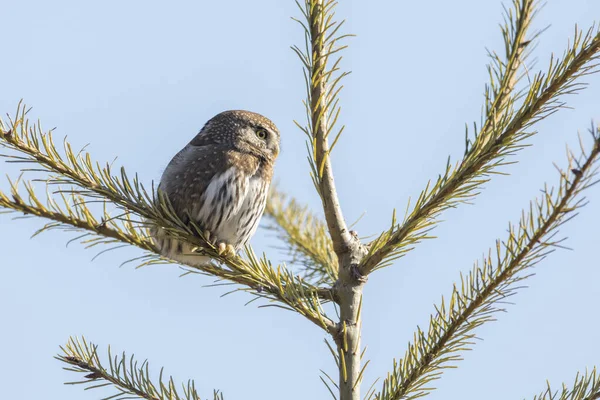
(220, 182)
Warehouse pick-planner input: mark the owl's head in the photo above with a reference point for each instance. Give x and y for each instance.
(246, 131)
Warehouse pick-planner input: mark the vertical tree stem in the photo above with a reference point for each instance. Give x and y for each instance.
(350, 252)
(333, 212)
(348, 341)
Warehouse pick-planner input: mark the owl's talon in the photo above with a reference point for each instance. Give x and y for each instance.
(225, 250)
(206, 235)
(230, 250)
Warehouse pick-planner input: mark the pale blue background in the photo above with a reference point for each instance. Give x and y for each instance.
(138, 79)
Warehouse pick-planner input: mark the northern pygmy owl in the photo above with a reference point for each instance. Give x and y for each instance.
(220, 181)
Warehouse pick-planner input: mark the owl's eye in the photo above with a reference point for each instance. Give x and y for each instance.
(261, 133)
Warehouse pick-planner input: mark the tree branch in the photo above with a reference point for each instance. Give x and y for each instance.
(127, 376)
(501, 139)
(585, 387)
(322, 106)
(306, 236)
(322, 113)
(475, 300)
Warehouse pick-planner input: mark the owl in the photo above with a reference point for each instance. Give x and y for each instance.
(220, 181)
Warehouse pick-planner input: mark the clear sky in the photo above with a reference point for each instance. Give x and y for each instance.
(138, 79)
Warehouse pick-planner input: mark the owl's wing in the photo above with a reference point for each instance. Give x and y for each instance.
(207, 183)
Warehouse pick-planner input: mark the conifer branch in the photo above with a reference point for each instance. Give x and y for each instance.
(67, 217)
(306, 237)
(80, 183)
(322, 111)
(322, 108)
(585, 387)
(130, 378)
(501, 136)
(477, 298)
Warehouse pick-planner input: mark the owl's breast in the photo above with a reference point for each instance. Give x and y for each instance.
(231, 206)
(242, 223)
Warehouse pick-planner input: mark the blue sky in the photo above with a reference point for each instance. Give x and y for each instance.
(138, 79)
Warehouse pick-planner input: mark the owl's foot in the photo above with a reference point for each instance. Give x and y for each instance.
(226, 250)
(223, 248)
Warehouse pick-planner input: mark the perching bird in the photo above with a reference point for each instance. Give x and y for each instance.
(220, 181)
